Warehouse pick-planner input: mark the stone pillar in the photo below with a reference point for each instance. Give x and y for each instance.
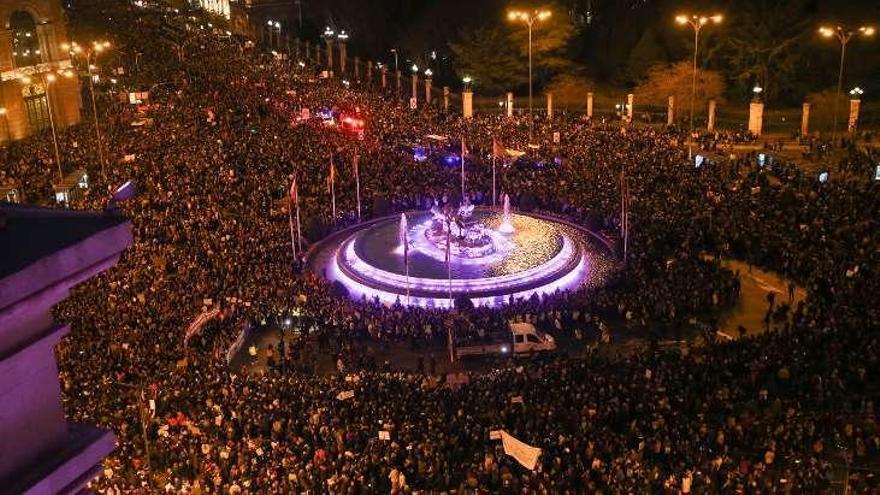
(549, 106)
(467, 103)
(370, 73)
(329, 55)
(308, 50)
(756, 117)
(343, 55)
(445, 98)
(854, 106)
(805, 120)
(398, 75)
(630, 102)
(384, 77)
(428, 84)
(710, 124)
(414, 100)
(357, 69)
(589, 105)
(510, 104)
(670, 111)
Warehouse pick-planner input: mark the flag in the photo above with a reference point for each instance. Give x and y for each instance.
(126, 191)
(498, 151)
(294, 197)
(524, 453)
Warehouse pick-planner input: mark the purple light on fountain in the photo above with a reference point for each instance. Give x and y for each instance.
(506, 226)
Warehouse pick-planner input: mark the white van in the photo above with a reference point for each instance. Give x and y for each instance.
(524, 339)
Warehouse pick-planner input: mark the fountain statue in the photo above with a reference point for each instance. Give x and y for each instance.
(506, 226)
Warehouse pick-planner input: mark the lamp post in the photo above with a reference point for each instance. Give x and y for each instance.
(697, 22)
(48, 78)
(91, 54)
(529, 18)
(843, 35)
(274, 28)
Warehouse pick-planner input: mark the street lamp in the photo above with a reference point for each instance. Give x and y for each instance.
(697, 22)
(843, 34)
(529, 18)
(48, 78)
(856, 92)
(92, 53)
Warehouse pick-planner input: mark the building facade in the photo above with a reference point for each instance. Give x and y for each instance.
(32, 33)
(43, 254)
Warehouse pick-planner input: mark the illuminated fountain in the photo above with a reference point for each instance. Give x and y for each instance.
(506, 226)
(429, 258)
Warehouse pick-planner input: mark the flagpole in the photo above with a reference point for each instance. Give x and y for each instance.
(462, 169)
(357, 182)
(292, 238)
(333, 189)
(449, 258)
(493, 178)
(298, 230)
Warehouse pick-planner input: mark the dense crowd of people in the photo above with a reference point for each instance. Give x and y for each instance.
(783, 411)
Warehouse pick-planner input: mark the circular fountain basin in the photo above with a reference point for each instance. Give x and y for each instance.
(539, 255)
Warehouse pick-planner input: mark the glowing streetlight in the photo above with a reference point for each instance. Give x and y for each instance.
(429, 72)
(467, 80)
(342, 36)
(529, 18)
(697, 22)
(843, 34)
(856, 92)
(96, 47)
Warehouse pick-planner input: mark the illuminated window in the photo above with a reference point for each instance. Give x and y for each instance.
(25, 42)
(37, 106)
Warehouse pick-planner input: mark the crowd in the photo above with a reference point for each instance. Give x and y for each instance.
(781, 412)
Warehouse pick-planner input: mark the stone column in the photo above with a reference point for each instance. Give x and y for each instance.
(308, 50)
(510, 104)
(445, 98)
(357, 69)
(329, 55)
(670, 111)
(756, 117)
(398, 75)
(370, 73)
(467, 103)
(589, 105)
(384, 77)
(343, 55)
(549, 106)
(414, 100)
(630, 102)
(805, 120)
(854, 106)
(428, 84)
(710, 124)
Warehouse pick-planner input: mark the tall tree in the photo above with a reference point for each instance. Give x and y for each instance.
(764, 45)
(675, 80)
(487, 56)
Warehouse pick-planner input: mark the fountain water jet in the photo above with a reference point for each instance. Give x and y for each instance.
(506, 226)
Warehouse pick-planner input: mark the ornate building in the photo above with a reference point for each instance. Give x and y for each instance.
(31, 97)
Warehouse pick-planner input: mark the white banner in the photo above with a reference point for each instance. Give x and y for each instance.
(524, 453)
(345, 395)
